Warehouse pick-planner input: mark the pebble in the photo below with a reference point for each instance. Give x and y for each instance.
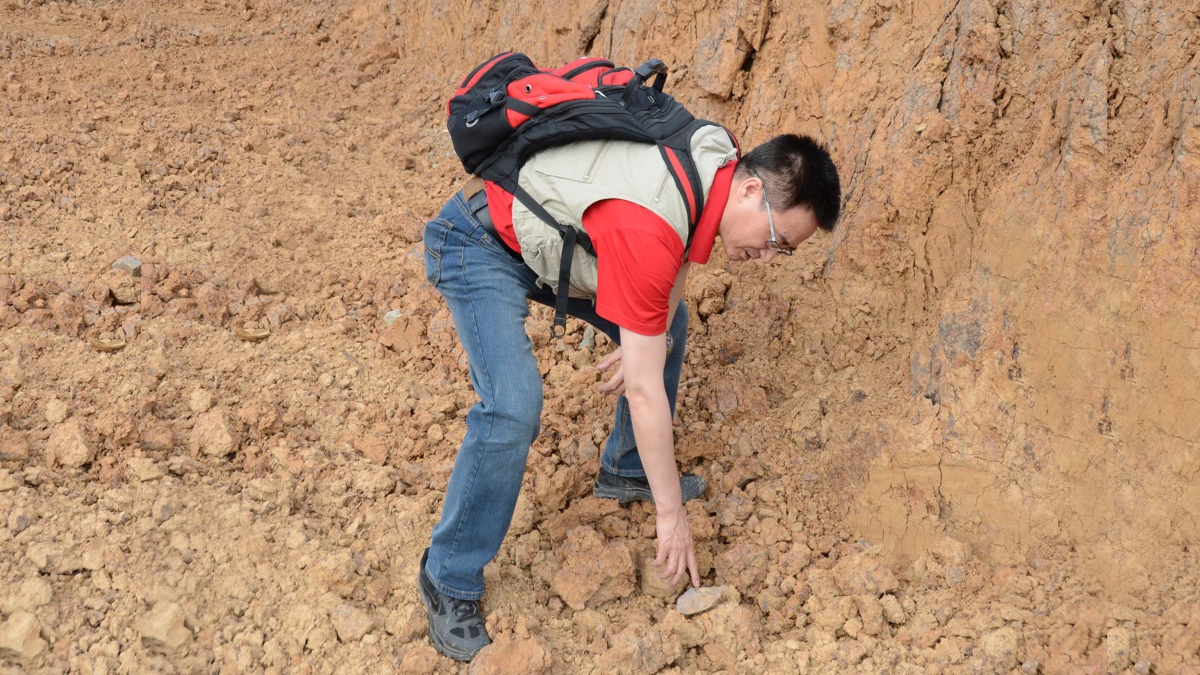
(351, 623)
(8, 481)
(589, 339)
(20, 637)
(69, 446)
(295, 539)
(213, 435)
(144, 468)
(654, 585)
(128, 263)
(390, 317)
(1141, 667)
(57, 411)
(162, 628)
(201, 401)
(697, 600)
(1030, 667)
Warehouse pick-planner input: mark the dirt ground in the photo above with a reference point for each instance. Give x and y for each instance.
(961, 434)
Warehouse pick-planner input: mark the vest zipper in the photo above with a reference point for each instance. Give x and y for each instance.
(595, 160)
(662, 187)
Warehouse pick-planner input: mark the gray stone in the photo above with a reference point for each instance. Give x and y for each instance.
(390, 317)
(351, 623)
(1030, 667)
(697, 600)
(589, 339)
(128, 263)
(19, 519)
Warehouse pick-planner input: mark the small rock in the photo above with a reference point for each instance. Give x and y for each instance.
(689, 634)
(295, 539)
(654, 585)
(162, 628)
(20, 637)
(436, 433)
(13, 448)
(201, 401)
(57, 411)
(1141, 667)
(870, 610)
(851, 652)
(407, 624)
(69, 446)
(1000, 647)
(697, 600)
(19, 519)
(390, 317)
(1030, 667)
(144, 468)
(892, 611)
(589, 339)
(122, 287)
(8, 481)
(163, 509)
(510, 654)
(212, 435)
(420, 660)
(351, 623)
(27, 596)
(860, 574)
(128, 263)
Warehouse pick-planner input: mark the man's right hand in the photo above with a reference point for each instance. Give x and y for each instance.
(676, 551)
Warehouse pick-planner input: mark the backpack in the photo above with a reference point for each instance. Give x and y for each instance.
(507, 109)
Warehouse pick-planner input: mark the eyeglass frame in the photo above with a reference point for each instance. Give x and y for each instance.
(772, 243)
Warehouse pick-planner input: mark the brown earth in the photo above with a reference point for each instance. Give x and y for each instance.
(960, 435)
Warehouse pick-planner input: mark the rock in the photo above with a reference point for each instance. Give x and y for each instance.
(1030, 667)
(57, 411)
(294, 539)
(13, 448)
(851, 652)
(404, 333)
(213, 435)
(8, 481)
(1000, 646)
(421, 660)
(639, 649)
(743, 566)
(870, 610)
(27, 596)
(156, 436)
(407, 623)
(390, 317)
(144, 468)
(163, 628)
(892, 611)
(860, 574)
(689, 634)
(351, 623)
(1141, 667)
(130, 264)
(163, 509)
(124, 290)
(20, 637)
(201, 401)
(654, 585)
(1119, 645)
(733, 627)
(510, 654)
(20, 518)
(592, 572)
(697, 600)
(69, 446)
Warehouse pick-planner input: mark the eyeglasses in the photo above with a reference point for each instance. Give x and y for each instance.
(772, 243)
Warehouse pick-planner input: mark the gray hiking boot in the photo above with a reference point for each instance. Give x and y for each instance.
(625, 489)
(456, 628)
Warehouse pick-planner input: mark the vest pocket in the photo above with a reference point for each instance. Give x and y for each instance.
(577, 162)
(662, 187)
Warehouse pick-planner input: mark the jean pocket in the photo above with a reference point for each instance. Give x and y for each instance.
(435, 238)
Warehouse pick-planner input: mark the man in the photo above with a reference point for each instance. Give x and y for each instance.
(489, 256)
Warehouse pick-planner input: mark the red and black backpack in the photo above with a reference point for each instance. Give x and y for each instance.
(507, 110)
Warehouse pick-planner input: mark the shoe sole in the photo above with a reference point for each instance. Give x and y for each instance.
(438, 644)
(626, 495)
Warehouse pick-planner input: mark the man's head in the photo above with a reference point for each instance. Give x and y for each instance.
(789, 184)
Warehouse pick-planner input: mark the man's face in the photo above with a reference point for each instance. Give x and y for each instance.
(745, 226)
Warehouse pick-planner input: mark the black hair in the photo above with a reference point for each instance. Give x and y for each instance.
(799, 172)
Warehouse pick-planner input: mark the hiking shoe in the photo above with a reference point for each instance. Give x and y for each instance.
(456, 628)
(625, 489)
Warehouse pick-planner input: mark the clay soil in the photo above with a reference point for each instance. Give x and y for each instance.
(960, 434)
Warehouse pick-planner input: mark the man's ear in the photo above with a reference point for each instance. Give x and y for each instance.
(748, 188)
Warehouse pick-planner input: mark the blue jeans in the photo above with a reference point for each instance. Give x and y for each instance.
(488, 291)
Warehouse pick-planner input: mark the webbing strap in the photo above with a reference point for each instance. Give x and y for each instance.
(559, 328)
(571, 237)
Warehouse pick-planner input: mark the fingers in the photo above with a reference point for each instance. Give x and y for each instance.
(692, 569)
(608, 361)
(615, 384)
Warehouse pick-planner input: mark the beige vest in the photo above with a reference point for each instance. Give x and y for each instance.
(568, 179)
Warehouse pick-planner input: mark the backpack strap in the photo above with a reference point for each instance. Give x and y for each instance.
(571, 236)
(676, 152)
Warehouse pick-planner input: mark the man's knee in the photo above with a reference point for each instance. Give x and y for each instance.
(520, 406)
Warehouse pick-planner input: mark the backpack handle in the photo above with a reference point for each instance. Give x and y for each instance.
(652, 67)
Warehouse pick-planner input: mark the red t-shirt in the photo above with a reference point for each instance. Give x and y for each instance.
(638, 253)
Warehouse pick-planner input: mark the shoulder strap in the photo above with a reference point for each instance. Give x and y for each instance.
(676, 151)
(571, 236)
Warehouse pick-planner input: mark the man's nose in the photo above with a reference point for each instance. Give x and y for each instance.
(766, 254)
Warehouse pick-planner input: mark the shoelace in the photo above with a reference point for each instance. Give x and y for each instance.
(465, 609)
